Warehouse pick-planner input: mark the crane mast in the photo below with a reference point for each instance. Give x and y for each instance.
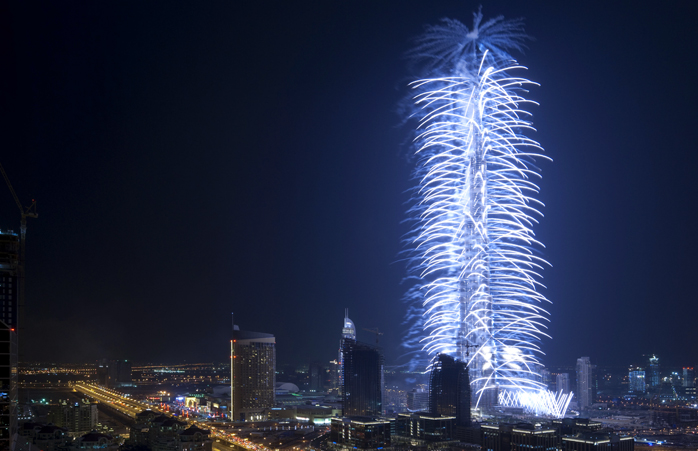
(25, 212)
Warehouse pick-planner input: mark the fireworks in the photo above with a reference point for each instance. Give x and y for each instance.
(473, 252)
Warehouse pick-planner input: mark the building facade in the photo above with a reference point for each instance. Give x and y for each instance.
(636, 379)
(584, 383)
(253, 375)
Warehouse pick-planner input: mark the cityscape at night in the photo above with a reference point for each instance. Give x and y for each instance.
(348, 226)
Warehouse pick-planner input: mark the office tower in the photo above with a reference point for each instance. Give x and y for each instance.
(636, 376)
(652, 376)
(584, 382)
(8, 386)
(252, 373)
(9, 277)
(449, 389)
(362, 377)
(562, 382)
(348, 333)
(418, 400)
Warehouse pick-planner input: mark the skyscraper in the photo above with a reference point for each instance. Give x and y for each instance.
(449, 389)
(252, 373)
(584, 370)
(362, 377)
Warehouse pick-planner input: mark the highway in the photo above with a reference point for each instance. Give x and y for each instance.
(222, 439)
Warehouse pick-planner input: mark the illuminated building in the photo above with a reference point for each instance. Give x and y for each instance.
(348, 333)
(636, 377)
(584, 383)
(362, 376)
(449, 389)
(8, 386)
(518, 437)
(253, 375)
(9, 282)
(360, 432)
(425, 427)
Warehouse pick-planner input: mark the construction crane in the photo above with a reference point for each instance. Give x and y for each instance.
(26, 212)
(374, 331)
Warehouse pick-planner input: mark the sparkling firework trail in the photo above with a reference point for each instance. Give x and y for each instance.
(472, 247)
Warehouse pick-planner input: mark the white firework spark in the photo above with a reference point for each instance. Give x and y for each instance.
(472, 246)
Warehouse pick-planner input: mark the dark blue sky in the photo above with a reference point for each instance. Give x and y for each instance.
(194, 160)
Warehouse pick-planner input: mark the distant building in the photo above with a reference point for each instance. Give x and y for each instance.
(584, 383)
(518, 437)
(449, 389)
(636, 380)
(77, 417)
(9, 281)
(316, 373)
(652, 375)
(348, 333)
(114, 373)
(689, 382)
(253, 375)
(562, 382)
(418, 400)
(8, 385)
(362, 376)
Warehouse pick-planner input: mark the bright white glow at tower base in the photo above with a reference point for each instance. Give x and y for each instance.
(541, 403)
(473, 253)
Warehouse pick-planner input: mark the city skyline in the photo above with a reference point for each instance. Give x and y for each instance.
(186, 169)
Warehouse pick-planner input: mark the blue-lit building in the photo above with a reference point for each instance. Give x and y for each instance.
(636, 380)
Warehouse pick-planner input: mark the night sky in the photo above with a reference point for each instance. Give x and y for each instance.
(193, 160)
